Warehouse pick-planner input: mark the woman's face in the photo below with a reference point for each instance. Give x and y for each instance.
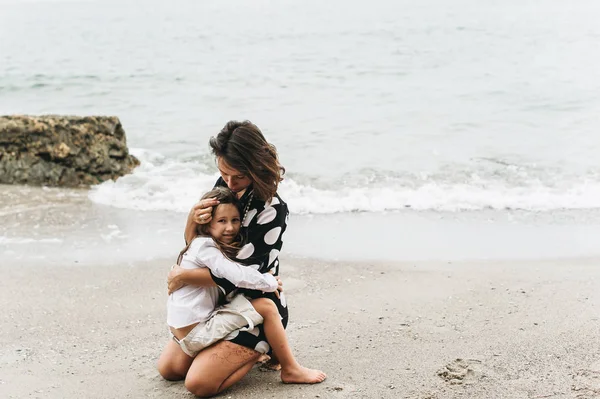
(235, 180)
(225, 223)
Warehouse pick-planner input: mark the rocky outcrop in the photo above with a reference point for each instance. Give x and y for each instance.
(67, 151)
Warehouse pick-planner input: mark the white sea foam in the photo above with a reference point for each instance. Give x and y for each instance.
(157, 184)
(163, 184)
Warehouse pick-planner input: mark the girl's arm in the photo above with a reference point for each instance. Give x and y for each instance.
(235, 274)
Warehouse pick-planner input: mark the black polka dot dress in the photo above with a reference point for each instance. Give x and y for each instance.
(263, 228)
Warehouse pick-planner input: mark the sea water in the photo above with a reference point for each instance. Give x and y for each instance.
(428, 129)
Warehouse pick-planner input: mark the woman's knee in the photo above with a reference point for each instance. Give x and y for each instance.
(172, 365)
(171, 370)
(200, 387)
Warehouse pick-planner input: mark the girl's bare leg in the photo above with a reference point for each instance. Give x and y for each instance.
(291, 371)
(218, 367)
(173, 363)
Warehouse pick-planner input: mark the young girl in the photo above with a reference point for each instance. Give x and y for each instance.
(191, 309)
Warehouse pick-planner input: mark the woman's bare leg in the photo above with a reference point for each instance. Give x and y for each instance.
(218, 367)
(237, 375)
(291, 371)
(173, 363)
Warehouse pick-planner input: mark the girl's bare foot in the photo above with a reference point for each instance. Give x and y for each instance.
(302, 375)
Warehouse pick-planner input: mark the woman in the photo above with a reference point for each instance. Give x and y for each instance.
(249, 166)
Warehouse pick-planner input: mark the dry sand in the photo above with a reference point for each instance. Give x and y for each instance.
(380, 330)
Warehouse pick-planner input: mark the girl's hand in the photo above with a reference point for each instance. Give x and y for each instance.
(174, 279)
(202, 211)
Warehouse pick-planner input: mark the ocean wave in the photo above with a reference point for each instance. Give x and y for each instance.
(165, 184)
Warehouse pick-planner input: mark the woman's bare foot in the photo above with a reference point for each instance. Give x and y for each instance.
(263, 358)
(270, 365)
(302, 375)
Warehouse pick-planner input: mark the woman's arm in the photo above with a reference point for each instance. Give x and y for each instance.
(190, 227)
(201, 213)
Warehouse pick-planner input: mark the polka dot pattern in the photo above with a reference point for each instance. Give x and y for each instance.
(246, 251)
(255, 331)
(282, 300)
(273, 255)
(262, 347)
(266, 216)
(271, 236)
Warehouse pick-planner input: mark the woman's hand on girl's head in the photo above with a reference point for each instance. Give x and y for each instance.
(173, 279)
(202, 211)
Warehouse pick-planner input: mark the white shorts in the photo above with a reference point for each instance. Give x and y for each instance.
(239, 314)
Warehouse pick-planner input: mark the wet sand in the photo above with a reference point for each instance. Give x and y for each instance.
(380, 330)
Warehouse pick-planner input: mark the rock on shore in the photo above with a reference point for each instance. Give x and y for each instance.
(67, 151)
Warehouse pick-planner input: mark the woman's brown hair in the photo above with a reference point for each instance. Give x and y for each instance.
(243, 147)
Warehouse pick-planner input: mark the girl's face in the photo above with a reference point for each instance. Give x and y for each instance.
(225, 223)
(235, 180)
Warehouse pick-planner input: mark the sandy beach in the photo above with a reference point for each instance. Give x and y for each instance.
(441, 176)
(380, 330)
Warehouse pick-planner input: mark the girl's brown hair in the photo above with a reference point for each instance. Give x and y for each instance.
(224, 196)
(244, 148)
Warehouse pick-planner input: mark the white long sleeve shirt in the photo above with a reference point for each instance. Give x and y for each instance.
(190, 304)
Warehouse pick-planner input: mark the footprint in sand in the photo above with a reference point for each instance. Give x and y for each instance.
(461, 371)
(586, 382)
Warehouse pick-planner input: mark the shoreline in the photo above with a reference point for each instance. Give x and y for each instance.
(524, 329)
(65, 226)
